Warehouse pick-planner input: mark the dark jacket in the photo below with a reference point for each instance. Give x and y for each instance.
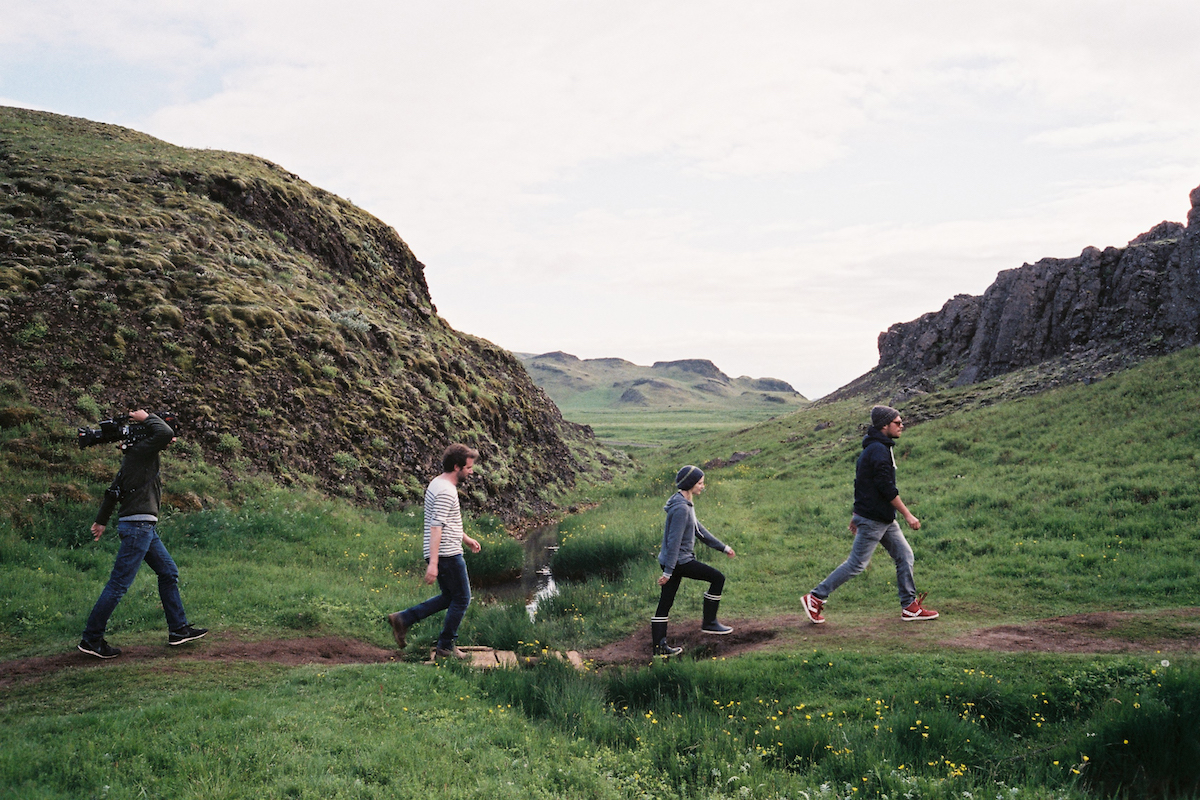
(875, 478)
(680, 534)
(137, 486)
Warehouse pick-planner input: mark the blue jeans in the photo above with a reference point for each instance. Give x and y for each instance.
(872, 533)
(139, 542)
(455, 597)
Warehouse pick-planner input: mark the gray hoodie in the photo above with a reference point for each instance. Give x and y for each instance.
(680, 534)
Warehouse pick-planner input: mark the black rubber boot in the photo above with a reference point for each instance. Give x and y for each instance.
(658, 635)
(710, 624)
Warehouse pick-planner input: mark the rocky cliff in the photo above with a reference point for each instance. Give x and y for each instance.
(1080, 318)
(292, 332)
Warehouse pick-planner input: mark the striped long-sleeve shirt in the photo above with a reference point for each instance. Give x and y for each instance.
(441, 510)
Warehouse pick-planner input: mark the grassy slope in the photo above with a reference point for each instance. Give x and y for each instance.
(1080, 499)
(292, 332)
(1055, 503)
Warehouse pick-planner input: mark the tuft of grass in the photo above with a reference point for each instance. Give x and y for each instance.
(603, 552)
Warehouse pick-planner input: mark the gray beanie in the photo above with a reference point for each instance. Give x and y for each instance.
(882, 415)
(688, 476)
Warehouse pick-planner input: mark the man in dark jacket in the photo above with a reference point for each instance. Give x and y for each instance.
(873, 522)
(138, 489)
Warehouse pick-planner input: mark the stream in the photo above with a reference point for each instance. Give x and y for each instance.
(536, 579)
(537, 582)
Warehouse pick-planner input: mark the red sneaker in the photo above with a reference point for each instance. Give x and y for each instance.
(915, 611)
(812, 606)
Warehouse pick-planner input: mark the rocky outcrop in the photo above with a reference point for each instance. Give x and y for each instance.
(699, 366)
(1102, 309)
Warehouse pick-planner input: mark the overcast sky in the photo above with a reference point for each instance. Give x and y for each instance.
(768, 185)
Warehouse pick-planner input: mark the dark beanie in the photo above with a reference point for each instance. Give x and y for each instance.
(882, 415)
(688, 476)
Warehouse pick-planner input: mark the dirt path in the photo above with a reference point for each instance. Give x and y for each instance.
(1174, 631)
(290, 652)
(1177, 631)
(1101, 632)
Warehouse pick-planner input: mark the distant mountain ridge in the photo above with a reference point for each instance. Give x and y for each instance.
(1061, 319)
(617, 383)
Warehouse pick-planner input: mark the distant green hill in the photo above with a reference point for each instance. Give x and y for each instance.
(665, 402)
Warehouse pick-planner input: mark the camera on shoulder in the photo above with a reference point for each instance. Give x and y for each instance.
(120, 429)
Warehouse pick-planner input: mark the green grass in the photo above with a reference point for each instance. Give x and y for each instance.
(930, 725)
(1056, 503)
(1079, 500)
(260, 731)
(636, 428)
(279, 562)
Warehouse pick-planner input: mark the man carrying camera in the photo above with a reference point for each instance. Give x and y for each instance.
(138, 489)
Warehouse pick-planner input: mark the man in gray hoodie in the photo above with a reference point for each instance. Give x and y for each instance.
(678, 560)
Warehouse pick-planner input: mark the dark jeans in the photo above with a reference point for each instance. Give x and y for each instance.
(455, 597)
(139, 542)
(696, 570)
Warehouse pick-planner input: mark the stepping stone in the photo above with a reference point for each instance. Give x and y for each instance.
(487, 658)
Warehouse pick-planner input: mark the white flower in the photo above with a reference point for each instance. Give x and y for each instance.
(1166, 663)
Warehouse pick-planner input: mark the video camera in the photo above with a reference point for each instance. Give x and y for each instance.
(120, 429)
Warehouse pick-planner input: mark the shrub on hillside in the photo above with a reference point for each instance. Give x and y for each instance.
(499, 561)
(1145, 744)
(599, 553)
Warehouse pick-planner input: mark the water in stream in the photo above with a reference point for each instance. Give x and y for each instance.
(537, 581)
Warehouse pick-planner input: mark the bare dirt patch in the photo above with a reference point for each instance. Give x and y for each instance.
(289, 652)
(747, 635)
(1175, 631)
(1101, 632)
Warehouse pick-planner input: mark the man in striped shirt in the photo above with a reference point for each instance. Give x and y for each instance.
(444, 540)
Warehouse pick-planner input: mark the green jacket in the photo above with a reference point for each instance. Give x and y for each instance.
(137, 486)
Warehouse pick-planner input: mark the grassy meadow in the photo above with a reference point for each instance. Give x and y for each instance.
(1081, 499)
(634, 429)
(670, 403)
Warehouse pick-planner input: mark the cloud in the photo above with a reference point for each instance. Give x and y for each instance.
(602, 176)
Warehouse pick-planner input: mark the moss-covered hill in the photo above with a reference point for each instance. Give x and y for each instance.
(292, 332)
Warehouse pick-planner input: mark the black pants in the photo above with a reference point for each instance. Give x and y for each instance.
(696, 570)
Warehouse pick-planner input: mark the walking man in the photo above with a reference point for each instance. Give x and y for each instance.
(873, 522)
(678, 560)
(138, 489)
(444, 540)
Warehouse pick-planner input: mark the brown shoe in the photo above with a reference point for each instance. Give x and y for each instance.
(399, 629)
(452, 652)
